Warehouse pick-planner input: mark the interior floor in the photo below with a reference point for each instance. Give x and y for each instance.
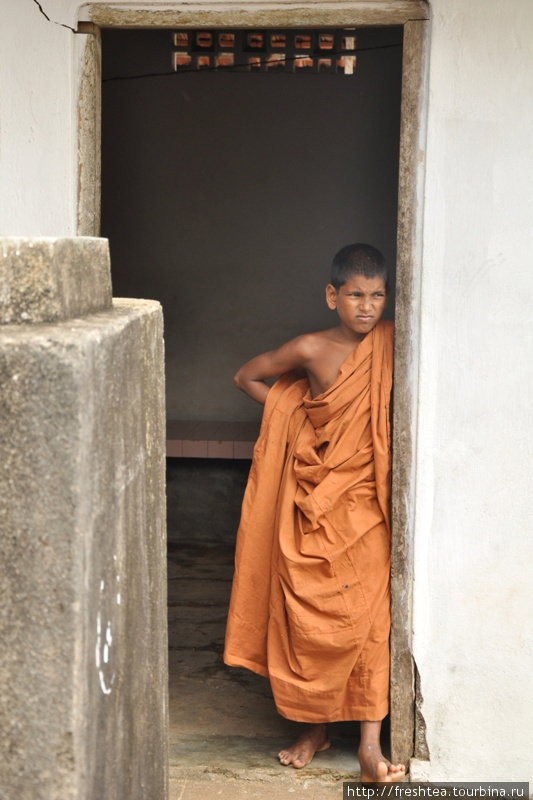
(223, 720)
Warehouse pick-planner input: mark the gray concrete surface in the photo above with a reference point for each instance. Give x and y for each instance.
(83, 664)
(221, 787)
(50, 280)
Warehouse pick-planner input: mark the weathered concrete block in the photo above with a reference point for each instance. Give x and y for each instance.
(49, 280)
(83, 663)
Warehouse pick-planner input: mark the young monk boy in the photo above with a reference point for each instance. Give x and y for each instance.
(310, 603)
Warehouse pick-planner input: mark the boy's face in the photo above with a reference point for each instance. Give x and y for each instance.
(360, 302)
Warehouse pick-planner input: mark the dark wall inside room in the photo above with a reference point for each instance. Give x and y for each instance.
(225, 196)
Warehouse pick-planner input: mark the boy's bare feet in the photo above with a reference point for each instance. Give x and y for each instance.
(376, 768)
(313, 740)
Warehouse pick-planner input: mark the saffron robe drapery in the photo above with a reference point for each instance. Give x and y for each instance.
(310, 604)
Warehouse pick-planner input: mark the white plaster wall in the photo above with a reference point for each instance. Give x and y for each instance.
(472, 594)
(473, 545)
(37, 130)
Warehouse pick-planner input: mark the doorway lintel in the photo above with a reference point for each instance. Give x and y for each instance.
(288, 14)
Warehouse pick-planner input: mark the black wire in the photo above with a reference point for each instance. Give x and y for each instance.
(235, 67)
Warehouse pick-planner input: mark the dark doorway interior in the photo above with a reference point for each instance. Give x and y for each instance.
(225, 197)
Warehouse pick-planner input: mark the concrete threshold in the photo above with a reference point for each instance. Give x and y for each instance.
(222, 787)
(245, 758)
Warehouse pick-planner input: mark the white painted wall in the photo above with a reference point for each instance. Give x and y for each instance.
(473, 569)
(37, 134)
(473, 532)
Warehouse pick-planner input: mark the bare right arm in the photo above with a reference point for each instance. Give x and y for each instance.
(251, 377)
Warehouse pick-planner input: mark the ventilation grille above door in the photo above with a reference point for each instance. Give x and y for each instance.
(272, 51)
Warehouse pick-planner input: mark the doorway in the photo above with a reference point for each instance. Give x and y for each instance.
(409, 235)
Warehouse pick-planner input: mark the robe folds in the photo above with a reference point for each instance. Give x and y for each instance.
(310, 603)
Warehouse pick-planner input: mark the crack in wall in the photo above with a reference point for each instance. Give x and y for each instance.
(421, 750)
(45, 15)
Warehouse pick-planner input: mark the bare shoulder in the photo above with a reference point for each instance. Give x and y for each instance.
(313, 344)
(302, 348)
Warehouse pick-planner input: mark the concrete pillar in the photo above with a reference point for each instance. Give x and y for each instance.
(83, 633)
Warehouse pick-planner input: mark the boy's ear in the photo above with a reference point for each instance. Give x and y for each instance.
(331, 296)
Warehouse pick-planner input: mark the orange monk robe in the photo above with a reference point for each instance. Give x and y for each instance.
(310, 605)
